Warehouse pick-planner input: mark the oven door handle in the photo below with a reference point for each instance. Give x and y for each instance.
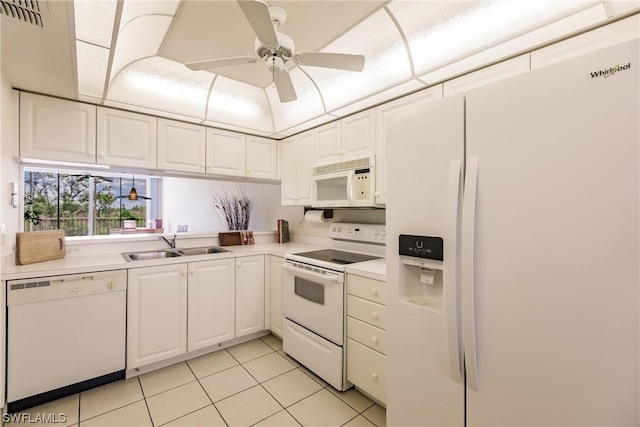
(300, 272)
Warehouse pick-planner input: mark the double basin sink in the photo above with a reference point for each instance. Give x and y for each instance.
(171, 253)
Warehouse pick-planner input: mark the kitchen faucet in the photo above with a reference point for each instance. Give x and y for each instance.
(171, 243)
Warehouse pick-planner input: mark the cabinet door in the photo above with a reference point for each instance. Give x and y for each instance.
(225, 152)
(56, 129)
(391, 126)
(289, 168)
(262, 157)
(181, 146)
(156, 314)
(211, 303)
(328, 144)
(359, 135)
(249, 295)
(126, 139)
(275, 282)
(304, 172)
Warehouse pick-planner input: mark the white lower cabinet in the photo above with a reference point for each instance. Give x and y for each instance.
(179, 308)
(366, 335)
(156, 314)
(275, 283)
(211, 303)
(249, 295)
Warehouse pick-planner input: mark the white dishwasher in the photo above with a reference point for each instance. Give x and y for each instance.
(65, 334)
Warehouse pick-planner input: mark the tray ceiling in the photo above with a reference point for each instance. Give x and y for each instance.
(131, 54)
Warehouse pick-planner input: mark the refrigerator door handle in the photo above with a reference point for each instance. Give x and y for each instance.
(450, 270)
(467, 300)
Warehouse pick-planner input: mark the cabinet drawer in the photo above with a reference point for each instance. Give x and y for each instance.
(366, 334)
(365, 369)
(367, 311)
(372, 290)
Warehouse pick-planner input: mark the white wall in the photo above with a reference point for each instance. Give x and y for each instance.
(190, 201)
(9, 167)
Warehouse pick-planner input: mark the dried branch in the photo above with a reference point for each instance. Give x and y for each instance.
(233, 210)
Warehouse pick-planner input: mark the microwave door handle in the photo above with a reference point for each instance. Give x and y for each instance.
(301, 273)
(350, 187)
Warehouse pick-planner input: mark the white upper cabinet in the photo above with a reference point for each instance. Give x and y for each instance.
(56, 129)
(359, 135)
(391, 125)
(297, 157)
(226, 153)
(181, 146)
(262, 158)
(484, 76)
(328, 144)
(126, 139)
(348, 139)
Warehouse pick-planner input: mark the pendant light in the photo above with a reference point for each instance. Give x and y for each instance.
(133, 193)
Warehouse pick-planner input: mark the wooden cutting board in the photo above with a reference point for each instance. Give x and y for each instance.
(38, 246)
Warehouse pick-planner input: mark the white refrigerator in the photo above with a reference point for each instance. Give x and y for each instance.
(531, 318)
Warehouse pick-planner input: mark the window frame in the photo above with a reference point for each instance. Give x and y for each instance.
(151, 206)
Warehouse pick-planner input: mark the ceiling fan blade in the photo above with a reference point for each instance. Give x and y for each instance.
(284, 85)
(340, 61)
(257, 13)
(222, 62)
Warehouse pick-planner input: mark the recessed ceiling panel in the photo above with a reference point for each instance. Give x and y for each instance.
(306, 107)
(240, 104)
(92, 68)
(466, 28)
(94, 21)
(136, 8)
(140, 39)
(386, 62)
(162, 85)
(218, 29)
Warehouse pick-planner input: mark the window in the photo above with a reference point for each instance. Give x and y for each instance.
(87, 204)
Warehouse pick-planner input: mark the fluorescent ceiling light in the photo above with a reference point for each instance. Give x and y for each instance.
(387, 63)
(67, 164)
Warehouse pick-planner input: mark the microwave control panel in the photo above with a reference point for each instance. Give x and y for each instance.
(366, 233)
(363, 184)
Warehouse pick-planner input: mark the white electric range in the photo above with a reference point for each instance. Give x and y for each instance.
(314, 295)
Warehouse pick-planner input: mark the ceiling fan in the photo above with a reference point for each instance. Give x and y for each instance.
(277, 49)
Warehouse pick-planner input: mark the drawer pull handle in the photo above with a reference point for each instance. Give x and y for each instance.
(374, 340)
(374, 377)
(374, 315)
(374, 291)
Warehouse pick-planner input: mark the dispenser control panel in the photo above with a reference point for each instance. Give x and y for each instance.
(421, 247)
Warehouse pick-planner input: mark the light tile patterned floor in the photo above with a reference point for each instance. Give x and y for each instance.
(254, 383)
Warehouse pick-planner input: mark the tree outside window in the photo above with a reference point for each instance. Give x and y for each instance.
(82, 204)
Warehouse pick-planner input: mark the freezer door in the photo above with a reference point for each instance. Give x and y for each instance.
(556, 256)
(425, 145)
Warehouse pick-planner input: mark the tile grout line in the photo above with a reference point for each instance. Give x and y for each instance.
(205, 392)
(144, 397)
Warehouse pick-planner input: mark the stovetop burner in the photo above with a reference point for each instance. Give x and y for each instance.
(337, 257)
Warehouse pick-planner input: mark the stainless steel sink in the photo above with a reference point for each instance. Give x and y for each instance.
(171, 253)
(148, 255)
(202, 250)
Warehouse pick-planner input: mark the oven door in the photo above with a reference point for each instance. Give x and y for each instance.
(314, 298)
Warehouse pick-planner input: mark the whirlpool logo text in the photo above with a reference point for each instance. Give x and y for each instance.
(610, 71)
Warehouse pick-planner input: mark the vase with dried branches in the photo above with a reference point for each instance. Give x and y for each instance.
(233, 210)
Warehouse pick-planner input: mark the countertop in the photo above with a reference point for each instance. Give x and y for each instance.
(114, 261)
(374, 269)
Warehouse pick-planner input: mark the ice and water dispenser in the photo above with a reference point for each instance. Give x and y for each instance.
(422, 270)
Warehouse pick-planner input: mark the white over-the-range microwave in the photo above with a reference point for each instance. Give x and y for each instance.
(345, 184)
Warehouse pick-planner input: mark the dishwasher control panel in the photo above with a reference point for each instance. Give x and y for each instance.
(27, 291)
